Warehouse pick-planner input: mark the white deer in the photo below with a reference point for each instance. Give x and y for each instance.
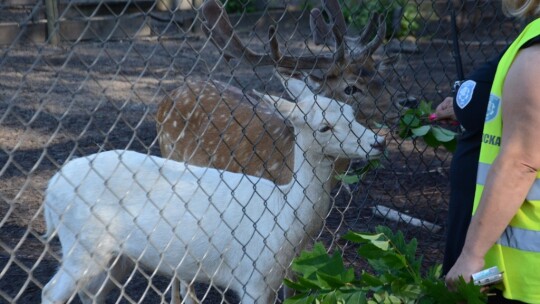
(193, 223)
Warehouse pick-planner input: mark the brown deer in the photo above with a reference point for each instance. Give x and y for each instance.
(210, 123)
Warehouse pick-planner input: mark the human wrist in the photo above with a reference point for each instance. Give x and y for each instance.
(473, 253)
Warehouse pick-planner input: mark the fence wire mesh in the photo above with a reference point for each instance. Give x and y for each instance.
(88, 76)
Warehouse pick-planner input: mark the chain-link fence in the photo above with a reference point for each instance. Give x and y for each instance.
(88, 76)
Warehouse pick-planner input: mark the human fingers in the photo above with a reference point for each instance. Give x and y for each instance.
(444, 111)
(464, 267)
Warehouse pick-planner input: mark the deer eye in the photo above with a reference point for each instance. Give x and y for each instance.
(325, 129)
(350, 90)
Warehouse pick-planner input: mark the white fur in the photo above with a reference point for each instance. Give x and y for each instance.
(196, 224)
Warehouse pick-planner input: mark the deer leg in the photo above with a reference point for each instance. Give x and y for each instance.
(59, 289)
(78, 271)
(100, 287)
(175, 292)
(188, 293)
(183, 293)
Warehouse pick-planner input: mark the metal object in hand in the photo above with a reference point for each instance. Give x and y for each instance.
(487, 276)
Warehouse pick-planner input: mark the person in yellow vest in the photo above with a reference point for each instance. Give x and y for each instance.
(505, 227)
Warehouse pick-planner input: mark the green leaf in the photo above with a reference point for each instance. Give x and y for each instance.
(331, 282)
(348, 179)
(319, 271)
(300, 299)
(421, 131)
(309, 284)
(370, 280)
(330, 298)
(389, 261)
(370, 251)
(404, 132)
(318, 259)
(359, 174)
(424, 107)
(471, 292)
(406, 250)
(434, 272)
(410, 120)
(437, 292)
(295, 286)
(431, 141)
(393, 299)
(450, 145)
(356, 297)
(378, 240)
(405, 290)
(439, 136)
(442, 134)
(348, 276)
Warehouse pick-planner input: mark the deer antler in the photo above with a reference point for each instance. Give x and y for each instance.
(360, 47)
(218, 26)
(320, 29)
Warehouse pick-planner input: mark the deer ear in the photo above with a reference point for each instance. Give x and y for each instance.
(284, 106)
(387, 63)
(297, 89)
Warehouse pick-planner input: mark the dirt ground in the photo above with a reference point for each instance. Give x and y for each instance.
(57, 103)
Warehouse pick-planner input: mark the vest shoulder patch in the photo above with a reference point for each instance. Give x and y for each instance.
(493, 107)
(465, 93)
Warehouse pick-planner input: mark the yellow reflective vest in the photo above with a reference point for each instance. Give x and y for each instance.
(517, 252)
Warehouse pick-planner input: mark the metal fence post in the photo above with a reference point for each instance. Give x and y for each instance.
(51, 7)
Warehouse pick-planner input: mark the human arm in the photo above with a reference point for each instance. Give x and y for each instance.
(514, 170)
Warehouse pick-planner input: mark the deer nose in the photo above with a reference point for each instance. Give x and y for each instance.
(379, 144)
(408, 102)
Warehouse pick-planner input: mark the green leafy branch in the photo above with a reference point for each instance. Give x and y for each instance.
(415, 123)
(356, 175)
(396, 278)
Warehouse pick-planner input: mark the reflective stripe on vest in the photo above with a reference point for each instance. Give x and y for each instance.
(483, 169)
(521, 239)
(513, 237)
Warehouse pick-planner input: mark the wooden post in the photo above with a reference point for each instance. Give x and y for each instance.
(51, 8)
(166, 5)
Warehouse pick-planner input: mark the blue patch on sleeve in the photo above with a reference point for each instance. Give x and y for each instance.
(465, 93)
(493, 107)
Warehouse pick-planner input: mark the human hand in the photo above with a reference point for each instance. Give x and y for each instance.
(465, 266)
(444, 111)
